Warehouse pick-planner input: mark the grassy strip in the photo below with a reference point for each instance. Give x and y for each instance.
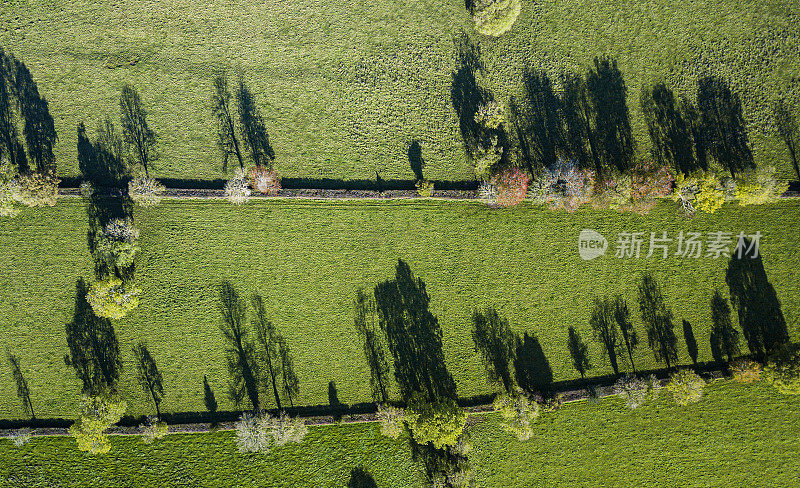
(307, 259)
(324, 459)
(739, 435)
(346, 86)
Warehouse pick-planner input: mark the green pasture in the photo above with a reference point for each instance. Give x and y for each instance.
(307, 258)
(739, 435)
(345, 87)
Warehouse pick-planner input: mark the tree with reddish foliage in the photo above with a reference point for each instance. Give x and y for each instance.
(511, 186)
(649, 181)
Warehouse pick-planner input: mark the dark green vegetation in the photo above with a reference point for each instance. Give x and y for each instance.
(344, 88)
(307, 260)
(609, 446)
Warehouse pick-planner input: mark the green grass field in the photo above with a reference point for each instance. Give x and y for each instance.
(308, 258)
(324, 459)
(737, 436)
(346, 86)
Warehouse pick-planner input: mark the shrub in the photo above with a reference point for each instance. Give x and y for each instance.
(86, 189)
(783, 369)
(424, 188)
(146, 191)
(511, 186)
(699, 191)
(636, 391)
(37, 189)
(236, 189)
(565, 188)
(759, 187)
(746, 371)
(491, 115)
(711, 194)
(153, 429)
(259, 433)
(552, 404)
(613, 193)
(264, 180)
(20, 437)
(686, 387)
(252, 434)
(487, 193)
(97, 415)
(649, 182)
(285, 429)
(113, 299)
(440, 422)
(495, 17)
(392, 420)
(117, 244)
(518, 412)
(487, 156)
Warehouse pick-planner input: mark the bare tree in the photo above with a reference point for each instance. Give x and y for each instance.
(23, 392)
(135, 131)
(226, 130)
(291, 385)
(605, 329)
(148, 374)
(366, 325)
(269, 339)
(242, 366)
(623, 318)
(786, 123)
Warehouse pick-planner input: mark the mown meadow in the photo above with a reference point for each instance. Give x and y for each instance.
(308, 258)
(738, 435)
(345, 87)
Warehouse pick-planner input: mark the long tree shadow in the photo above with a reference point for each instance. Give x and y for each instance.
(93, 346)
(414, 336)
(10, 145)
(608, 98)
(360, 478)
(532, 367)
(251, 123)
(465, 93)
(658, 321)
(368, 329)
(537, 122)
(757, 304)
(415, 159)
(580, 143)
(496, 342)
(448, 467)
(723, 125)
(101, 162)
(337, 407)
(38, 129)
(691, 342)
(670, 125)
